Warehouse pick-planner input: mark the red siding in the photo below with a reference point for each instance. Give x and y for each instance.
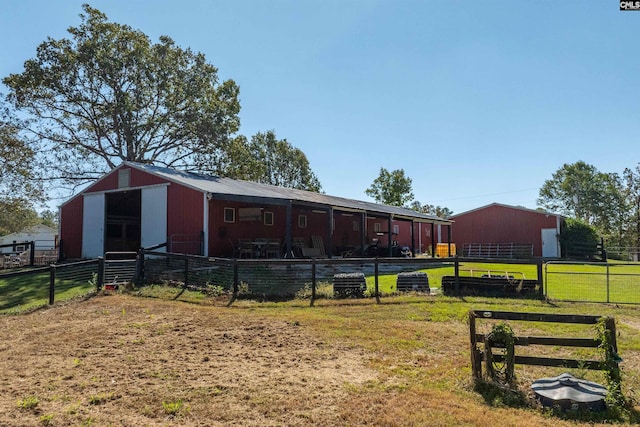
(224, 235)
(502, 224)
(138, 179)
(71, 228)
(185, 211)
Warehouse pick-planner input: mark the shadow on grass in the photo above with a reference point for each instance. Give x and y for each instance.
(25, 292)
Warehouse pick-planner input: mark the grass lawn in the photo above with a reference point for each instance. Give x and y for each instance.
(565, 282)
(30, 291)
(167, 356)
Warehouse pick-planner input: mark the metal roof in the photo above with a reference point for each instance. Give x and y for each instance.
(226, 188)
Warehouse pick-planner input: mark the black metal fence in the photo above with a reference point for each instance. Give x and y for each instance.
(593, 282)
(308, 278)
(315, 278)
(31, 288)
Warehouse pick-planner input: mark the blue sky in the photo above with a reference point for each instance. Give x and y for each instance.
(478, 102)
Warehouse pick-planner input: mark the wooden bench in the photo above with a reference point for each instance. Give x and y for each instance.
(349, 285)
(413, 281)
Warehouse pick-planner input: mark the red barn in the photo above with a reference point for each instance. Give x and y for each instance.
(507, 231)
(137, 205)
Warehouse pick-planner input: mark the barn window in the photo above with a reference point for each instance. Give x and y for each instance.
(124, 178)
(302, 221)
(356, 225)
(377, 228)
(229, 215)
(396, 229)
(268, 218)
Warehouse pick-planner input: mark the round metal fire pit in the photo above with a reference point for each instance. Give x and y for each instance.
(570, 393)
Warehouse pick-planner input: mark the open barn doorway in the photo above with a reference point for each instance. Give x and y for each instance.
(123, 221)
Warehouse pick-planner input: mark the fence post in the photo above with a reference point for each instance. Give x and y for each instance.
(456, 267)
(540, 281)
(186, 271)
(607, 283)
(376, 271)
(139, 266)
(234, 295)
(313, 281)
(60, 251)
(476, 356)
(32, 253)
(52, 284)
(100, 278)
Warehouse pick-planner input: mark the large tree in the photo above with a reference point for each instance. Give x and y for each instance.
(575, 190)
(16, 214)
(268, 160)
(632, 193)
(17, 174)
(580, 191)
(391, 188)
(108, 94)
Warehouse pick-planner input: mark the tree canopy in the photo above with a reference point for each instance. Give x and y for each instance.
(16, 214)
(439, 211)
(17, 176)
(581, 191)
(391, 188)
(109, 94)
(268, 160)
(602, 200)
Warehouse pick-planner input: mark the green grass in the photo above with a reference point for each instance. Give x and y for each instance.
(30, 291)
(387, 282)
(566, 282)
(589, 283)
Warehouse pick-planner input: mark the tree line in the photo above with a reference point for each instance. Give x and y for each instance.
(607, 202)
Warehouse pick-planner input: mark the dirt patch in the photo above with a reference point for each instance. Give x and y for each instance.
(117, 360)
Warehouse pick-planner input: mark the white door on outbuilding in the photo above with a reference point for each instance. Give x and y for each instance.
(93, 211)
(550, 244)
(153, 216)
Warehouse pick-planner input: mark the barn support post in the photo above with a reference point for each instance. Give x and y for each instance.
(52, 284)
(449, 239)
(389, 235)
(313, 282)
(288, 234)
(433, 240)
(363, 232)
(330, 233)
(376, 271)
(413, 239)
(32, 253)
(100, 275)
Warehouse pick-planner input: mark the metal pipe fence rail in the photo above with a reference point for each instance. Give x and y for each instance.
(497, 250)
(603, 282)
